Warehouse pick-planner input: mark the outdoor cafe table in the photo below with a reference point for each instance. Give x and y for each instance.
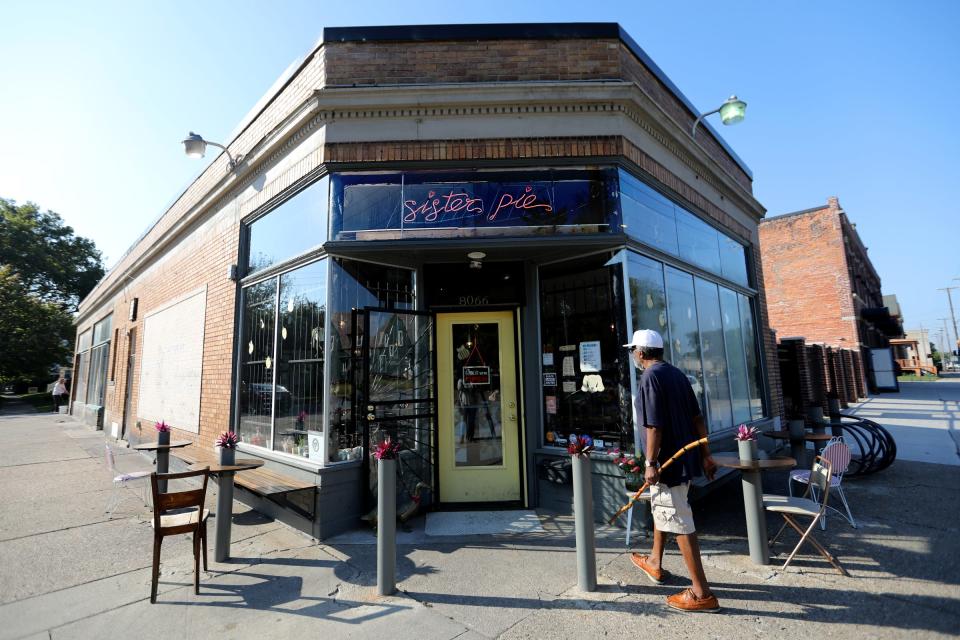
(753, 498)
(163, 456)
(221, 551)
(798, 447)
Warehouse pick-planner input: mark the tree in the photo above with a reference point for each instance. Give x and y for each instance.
(34, 335)
(49, 261)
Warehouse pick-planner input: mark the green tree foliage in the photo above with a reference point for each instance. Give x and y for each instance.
(50, 261)
(45, 270)
(34, 335)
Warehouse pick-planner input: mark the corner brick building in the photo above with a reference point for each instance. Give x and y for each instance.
(821, 285)
(441, 234)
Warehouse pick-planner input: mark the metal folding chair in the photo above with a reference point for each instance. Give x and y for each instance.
(838, 453)
(139, 479)
(789, 507)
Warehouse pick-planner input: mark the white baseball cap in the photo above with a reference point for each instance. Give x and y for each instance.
(646, 338)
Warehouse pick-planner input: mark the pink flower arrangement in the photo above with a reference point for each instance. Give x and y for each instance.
(747, 433)
(629, 463)
(227, 440)
(579, 445)
(301, 417)
(162, 427)
(387, 450)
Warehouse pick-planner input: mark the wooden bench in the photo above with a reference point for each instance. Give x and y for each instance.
(263, 482)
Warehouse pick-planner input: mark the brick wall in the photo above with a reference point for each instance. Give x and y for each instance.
(806, 278)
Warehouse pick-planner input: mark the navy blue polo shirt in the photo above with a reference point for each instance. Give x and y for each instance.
(666, 401)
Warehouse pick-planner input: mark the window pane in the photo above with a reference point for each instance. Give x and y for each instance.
(648, 216)
(297, 225)
(684, 335)
(754, 374)
(699, 242)
(98, 374)
(736, 357)
(300, 355)
(84, 340)
(355, 285)
(714, 355)
(580, 306)
(648, 297)
(83, 368)
(256, 362)
(101, 330)
(733, 258)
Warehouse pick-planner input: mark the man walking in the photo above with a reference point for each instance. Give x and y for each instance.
(667, 406)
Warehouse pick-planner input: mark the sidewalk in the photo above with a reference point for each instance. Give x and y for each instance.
(67, 571)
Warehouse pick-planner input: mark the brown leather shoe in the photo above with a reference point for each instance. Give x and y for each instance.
(686, 600)
(656, 576)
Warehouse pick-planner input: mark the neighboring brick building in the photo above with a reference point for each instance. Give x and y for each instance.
(441, 233)
(820, 283)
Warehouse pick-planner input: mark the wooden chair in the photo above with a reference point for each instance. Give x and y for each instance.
(194, 521)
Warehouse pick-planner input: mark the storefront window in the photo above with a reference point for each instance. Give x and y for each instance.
(684, 332)
(494, 203)
(658, 222)
(300, 355)
(356, 285)
(294, 227)
(715, 375)
(256, 363)
(736, 355)
(754, 372)
(93, 347)
(648, 297)
(584, 365)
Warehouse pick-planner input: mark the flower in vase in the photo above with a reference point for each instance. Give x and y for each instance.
(746, 433)
(387, 450)
(227, 440)
(162, 427)
(579, 445)
(301, 418)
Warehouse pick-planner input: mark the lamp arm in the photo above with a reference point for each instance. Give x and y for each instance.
(233, 161)
(693, 131)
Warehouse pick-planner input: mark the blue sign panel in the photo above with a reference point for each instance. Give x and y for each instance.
(407, 205)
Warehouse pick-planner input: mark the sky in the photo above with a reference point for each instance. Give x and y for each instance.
(852, 99)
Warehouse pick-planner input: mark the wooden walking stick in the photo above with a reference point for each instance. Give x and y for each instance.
(636, 496)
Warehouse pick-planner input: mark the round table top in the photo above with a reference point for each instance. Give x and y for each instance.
(733, 461)
(156, 446)
(809, 436)
(240, 464)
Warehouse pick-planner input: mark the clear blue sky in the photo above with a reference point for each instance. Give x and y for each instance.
(854, 99)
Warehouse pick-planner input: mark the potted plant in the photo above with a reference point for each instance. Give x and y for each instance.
(747, 442)
(163, 432)
(227, 445)
(632, 467)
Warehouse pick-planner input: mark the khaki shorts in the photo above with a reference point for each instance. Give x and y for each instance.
(671, 511)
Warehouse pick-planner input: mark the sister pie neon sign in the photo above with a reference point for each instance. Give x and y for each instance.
(456, 203)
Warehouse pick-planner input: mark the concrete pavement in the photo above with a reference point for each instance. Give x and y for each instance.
(924, 419)
(68, 571)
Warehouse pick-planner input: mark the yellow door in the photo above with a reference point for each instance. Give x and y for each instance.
(479, 418)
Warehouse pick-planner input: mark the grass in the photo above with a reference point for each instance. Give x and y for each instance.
(915, 378)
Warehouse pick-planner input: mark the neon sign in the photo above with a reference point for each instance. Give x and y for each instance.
(463, 204)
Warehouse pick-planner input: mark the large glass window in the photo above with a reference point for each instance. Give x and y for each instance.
(736, 355)
(656, 221)
(648, 296)
(648, 216)
(584, 364)
(93, 347)
(715, 375)
(256, 363)
(296, 226)
(684, 332)
(754, 371)
(355, 285)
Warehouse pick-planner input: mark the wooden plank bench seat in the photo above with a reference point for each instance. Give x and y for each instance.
(263, 482)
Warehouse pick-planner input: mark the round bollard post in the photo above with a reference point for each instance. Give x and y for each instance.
(816, 417)
(583, 516)
(386, 527)
(836, 424)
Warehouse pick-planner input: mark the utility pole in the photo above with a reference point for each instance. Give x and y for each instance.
(953, 317)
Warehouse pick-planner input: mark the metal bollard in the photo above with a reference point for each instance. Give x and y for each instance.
(386, 527)
(583, 517)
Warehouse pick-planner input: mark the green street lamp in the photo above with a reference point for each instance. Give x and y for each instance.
(731, 112)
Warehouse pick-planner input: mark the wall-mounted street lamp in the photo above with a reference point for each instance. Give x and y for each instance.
(195, 146)
(731, 112)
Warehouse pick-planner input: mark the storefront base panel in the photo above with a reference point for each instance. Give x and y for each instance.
(89, 414)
